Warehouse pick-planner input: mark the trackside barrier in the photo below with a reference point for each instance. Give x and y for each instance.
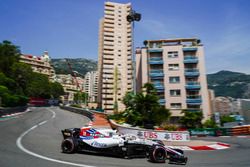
(210, 132)
(234, 131)
(241, 130)
(81, 111)
(152, 134)
(9, 111)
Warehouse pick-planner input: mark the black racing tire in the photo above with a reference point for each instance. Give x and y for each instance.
(69, 146)
(157, 154)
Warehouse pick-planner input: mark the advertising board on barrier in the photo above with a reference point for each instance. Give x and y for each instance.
(159, 135)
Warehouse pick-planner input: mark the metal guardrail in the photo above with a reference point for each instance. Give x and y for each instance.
(81, 111)
(8, 111)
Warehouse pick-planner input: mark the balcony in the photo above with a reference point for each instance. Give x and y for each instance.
(193, 85)
(155, 60)
(158, 85)
(189, 49)
(155, 50)
(193, 109)
(156, 74)
(192, 72)
(162, 101)
(190, 59)
(194, 100)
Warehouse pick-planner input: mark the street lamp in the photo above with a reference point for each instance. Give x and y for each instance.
(131, 18)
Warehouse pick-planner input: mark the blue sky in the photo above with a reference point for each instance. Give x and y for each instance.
(69, 28)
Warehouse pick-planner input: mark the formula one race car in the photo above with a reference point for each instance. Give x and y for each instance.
(108, 142)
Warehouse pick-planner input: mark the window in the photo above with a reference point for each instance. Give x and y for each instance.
(174, 79)
(175, 105)
(173, 54)
(173, 67)
(175, 92)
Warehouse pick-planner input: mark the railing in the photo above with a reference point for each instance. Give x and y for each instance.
(153, 50)
(162, 101)
(155, 60)
(192, 72)
(190, 59)
(194, 99)
(189, 48)
(193, 85)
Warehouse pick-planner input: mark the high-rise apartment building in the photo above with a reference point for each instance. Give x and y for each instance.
(115, 56)
(176, 67)
(90, 85)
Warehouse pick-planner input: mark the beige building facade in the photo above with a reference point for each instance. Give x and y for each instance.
(176, 67)
(115, 57)
(70, 86)
(39, 64)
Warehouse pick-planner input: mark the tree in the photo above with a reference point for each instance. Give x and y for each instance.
(9, 54)
(143, 109)
(23, 75)
(226, 118)
(210, 124)
(81, 97)
(191, 119)
(56, 90)
(39, 86)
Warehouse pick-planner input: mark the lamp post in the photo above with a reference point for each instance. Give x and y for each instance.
(131, 18)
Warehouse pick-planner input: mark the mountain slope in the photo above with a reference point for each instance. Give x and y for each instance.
(80, 65)
(227, 83)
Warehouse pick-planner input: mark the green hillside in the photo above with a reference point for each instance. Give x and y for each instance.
(80, 65)
(227, 83)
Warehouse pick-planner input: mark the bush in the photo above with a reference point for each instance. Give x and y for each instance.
(169, 127)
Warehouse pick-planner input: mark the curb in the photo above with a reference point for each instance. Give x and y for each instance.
(216, 146)
(15, 114)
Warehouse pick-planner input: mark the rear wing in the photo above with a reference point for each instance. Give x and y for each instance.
(73, 132)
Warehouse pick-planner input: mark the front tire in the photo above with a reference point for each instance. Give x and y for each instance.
(68, 146)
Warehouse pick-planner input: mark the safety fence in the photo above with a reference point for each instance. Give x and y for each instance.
(9, 111)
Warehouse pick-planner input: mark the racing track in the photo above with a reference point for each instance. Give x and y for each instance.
(38, 135)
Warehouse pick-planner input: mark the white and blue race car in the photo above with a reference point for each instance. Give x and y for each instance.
(108, 142)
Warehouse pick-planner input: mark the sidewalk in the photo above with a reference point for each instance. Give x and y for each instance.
(100, 121)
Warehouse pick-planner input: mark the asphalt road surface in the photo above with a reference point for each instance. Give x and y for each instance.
(34, 139)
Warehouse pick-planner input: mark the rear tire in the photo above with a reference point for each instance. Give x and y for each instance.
(157, 154)
(68, 146)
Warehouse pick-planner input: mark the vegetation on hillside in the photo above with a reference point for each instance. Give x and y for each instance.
(18, 82)
(227, 83)
(81, 65)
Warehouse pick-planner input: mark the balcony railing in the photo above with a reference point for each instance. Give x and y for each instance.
(194, 100)
(193, 85)
(190, 59)
(189, 49)
(155, 60)
(192, 72)
(156, 73)
(162, 101)
(158, 86)
(154, 50)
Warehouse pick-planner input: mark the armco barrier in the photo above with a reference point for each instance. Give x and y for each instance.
(152, 134)
(8, 111)
(241, 130)
(210, 132)
(81, 111)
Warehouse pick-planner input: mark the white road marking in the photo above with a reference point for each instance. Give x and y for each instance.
(20, 146)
